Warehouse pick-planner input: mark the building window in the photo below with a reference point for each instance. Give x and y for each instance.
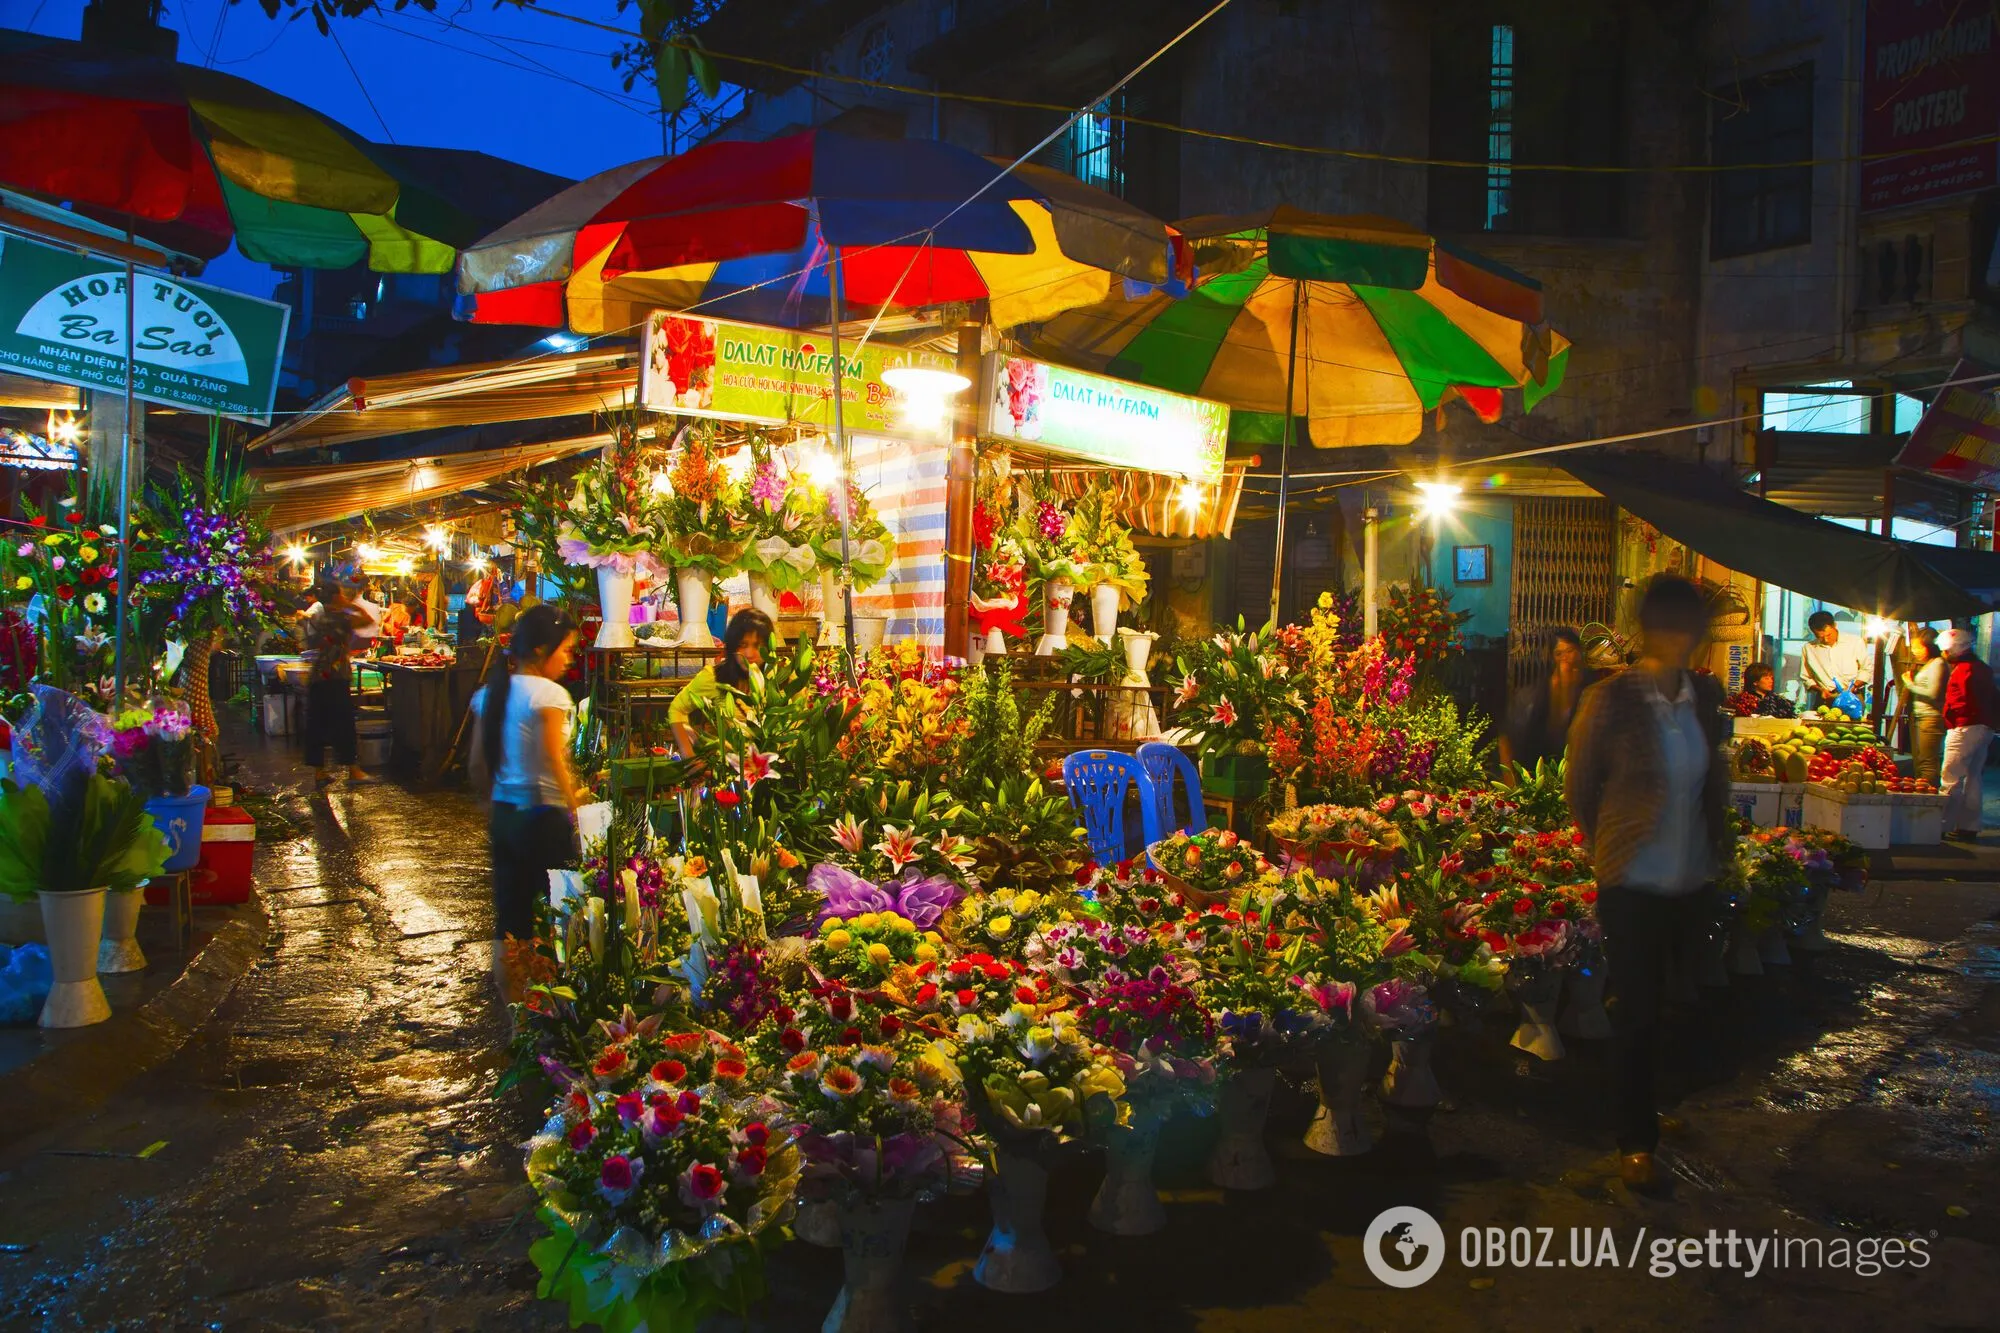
(1094, 147)
(1762, 121)
(1837, 408)
(876, 49)
(1519, 90)
(1500, 128)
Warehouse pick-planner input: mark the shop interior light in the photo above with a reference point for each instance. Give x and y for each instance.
(366, 551)
(436, 537)
(65, 429)
(406, 566)
(1437, 498)
(295, 553)
(927, 393)
(822, 469)
(477, 564)
(1878, 628)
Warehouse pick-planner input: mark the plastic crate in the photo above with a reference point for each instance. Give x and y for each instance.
(1862, 819)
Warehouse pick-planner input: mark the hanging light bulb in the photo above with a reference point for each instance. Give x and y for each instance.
(1191, 496)
(1437, 498)
(295, 553)
(436, 537)
(477, 564)
(406, 566)
(927, 393)
(65, 429)
(822, 468)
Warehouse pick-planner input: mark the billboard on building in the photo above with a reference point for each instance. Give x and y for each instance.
(1930, 101)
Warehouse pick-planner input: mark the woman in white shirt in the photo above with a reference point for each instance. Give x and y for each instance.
(523, 742)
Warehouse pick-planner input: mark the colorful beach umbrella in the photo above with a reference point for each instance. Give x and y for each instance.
(1391, 324)
(193, 159)
(748, 230)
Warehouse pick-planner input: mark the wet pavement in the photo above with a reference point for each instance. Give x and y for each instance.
(333, 1157)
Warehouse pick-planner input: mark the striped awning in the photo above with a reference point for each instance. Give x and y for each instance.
(305, 497)
(1151, 501)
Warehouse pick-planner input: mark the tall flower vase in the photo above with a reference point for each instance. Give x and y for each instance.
(1132, 715)
(1743, 959)
(1771, 949)
(1537, 995)
(1055, 620)
(693, 587)
(1240, 1160)
(1338, 1129)
(1104, 612)
(1017, 1257)
(833, 613)
(1126, 1203)
(1410, 1087)
(996, 643)
(118, 949)
(74, 923)
(1583, 1012)
(614, 600)
(873, 1236)
(765, 598)
(194, 691)
(975, 648)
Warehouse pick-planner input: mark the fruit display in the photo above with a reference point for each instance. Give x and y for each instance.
(1832, 732)
(1848, 775)
(1910, 787)
(1752, 762)
(425, 661)
(1877, 761)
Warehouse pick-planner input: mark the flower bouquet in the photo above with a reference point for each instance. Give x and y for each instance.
(610, 520)
(702, 522)
(1531, 927)
(1102, 548)
(871, 549)
(64, 572)
(154, 750)
(1209, 866)
(777, 551)
(1007, 921)
(999, 598)
(1329, 838)
(917, 901)
(1232, 691)
(1419, 622)
(661, 1181)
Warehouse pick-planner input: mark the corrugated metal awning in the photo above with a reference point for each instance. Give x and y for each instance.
(303, 497)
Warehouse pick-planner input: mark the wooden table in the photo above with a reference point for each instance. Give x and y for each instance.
(426, 704)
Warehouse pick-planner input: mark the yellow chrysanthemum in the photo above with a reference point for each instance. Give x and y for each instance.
(831, 924)
(839, 939)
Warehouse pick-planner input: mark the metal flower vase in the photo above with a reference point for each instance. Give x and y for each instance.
(118, 948)
(873, 1235)
(74, 923)
(1240, 1160)
(1127, 1204)
(1338, 1128)
(1017, 1257)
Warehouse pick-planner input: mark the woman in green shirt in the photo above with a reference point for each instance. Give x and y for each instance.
(711, 689)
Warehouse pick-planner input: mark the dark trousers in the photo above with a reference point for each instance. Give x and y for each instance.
(1645, 934)
(329, 720)
(527, 844)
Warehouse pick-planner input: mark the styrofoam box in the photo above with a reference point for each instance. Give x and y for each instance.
(1916, 821)
(1761, 728)
(1863, 819)
(1761, 803)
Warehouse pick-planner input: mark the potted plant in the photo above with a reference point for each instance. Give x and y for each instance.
(1112, 567)
(610, 524)
(1230, 686)
(68, 837)
(777, 552)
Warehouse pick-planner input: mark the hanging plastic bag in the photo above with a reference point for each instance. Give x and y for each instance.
(1850, 703)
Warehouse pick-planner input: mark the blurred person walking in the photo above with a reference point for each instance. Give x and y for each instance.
(1970, 710)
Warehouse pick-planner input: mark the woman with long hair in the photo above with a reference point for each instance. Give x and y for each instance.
(523, 743)
(1539, 716)
(1923, 686)
(743, 645)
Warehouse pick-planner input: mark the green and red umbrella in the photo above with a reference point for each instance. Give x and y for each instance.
(193, 159)
(1391, 325)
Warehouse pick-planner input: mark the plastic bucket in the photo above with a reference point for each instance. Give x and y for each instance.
(179, 820)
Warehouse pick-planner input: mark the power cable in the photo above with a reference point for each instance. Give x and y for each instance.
(333, 31)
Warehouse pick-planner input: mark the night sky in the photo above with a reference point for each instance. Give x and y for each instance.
(516, 84)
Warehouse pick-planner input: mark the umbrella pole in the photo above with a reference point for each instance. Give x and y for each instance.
(125, 502)
(846, 468)
(1285, 449)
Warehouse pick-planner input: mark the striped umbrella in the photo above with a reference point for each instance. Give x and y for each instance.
(746, 231)
(193, 159)
(1390, 324)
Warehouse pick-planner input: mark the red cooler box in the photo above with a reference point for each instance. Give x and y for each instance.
(228, 844)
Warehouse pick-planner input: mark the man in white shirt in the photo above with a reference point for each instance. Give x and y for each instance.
(1831, 662)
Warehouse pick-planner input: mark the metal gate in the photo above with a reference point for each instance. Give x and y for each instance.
(1564, 572)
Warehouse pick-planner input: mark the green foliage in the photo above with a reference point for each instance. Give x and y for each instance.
(1022, 835)
(998, 742)
(540, 519)
(100, 838)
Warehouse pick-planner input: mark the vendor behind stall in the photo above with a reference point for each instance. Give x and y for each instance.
(743, 642)
(1832, 662)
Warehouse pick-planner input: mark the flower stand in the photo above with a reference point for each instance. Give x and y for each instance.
(1584, 1015)
(692, 585)
(764, 597)
(74, 923)
(614, 600)
(1410, 1085)
(873, 1235)
(1240, 1160)
(1126, 1203)
(1104, 612)
(1338, 1129)
(117, 949)
(1743, 959)
(1055, 623)
(818, 1223)
(1771, 950)
(1537, 998)
(1017, 1257)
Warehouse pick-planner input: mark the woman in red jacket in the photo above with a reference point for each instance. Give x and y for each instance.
(1971, 707)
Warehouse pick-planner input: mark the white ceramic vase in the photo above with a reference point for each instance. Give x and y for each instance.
(1410, 1083)
(765, 598)
(873, 1235)
(1017, 1257)
(1126, 1203)
(1104, 612)
(74, 923)
(1055, 624)
(1240, 1160)
(1743, 958)
(1537, 997)
(996, 643)
(614, 599)
(118, 949)
(975, 648)
(869, 632)
(1583, 1013)
(1338, 1129)
(692, 584)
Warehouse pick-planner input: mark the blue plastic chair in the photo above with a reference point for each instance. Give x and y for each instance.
(1163, 764)
(1097, 781)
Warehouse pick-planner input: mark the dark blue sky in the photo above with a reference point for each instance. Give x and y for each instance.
(510, 82)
